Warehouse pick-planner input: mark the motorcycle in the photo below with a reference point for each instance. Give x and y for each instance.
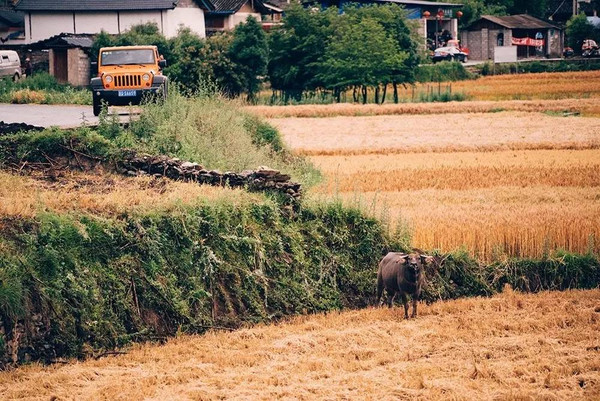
(590, 48)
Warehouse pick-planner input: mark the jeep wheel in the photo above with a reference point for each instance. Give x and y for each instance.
(16, 77)
(97, 105)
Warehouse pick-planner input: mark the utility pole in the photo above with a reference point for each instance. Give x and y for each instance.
(575, 8)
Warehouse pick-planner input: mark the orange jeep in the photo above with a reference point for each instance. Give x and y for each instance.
(127, 74)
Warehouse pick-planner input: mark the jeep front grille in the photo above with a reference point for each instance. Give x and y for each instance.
(128, 80)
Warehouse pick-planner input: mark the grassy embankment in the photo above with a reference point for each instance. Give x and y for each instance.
(86, 266)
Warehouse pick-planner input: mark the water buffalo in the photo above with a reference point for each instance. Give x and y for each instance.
(403, 273)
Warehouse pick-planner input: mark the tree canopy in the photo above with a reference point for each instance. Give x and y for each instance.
(356, 47)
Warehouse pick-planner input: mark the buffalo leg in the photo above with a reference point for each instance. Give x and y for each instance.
(405, 303)
(379, 291)
(390, 300)
(414, 305)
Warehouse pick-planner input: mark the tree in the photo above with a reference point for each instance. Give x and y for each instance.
(295, 49)
(473, 9)
(537, 8)
(103, 39)
(578, 29)
(361, 54)
(218, 65)
(305, 50)
(187, 57)
(405, 32)
(146, 34)
(249, 50)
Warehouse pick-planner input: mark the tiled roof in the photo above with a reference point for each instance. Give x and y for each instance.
(94, 5)
(521, 21)
(232, 6)
(67, 40)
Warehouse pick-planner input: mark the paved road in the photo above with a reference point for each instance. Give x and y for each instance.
(64, 116)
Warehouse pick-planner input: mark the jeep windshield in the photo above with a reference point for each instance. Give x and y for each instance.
(125, 57)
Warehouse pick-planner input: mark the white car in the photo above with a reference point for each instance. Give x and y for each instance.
(10, 65)
(449, 53)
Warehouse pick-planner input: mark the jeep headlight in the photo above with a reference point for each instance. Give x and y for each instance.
(108, 79)
(146, 77)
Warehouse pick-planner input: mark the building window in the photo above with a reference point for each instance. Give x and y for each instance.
(215, 22)
(500, 39)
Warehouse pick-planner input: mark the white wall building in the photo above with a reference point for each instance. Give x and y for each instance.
(47, 18)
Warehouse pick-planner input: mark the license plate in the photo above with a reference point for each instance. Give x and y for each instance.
(127, 93)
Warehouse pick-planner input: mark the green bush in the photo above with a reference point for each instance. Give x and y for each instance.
(53, 142)
(212, 131)
(488, 68)
(442, 72)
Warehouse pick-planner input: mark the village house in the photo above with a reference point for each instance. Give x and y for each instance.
(47, 18)
(522, 35)
(224, 15)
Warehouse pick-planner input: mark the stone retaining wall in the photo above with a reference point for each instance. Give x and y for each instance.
(261, 179)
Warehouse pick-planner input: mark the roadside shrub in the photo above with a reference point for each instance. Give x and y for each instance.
(24, 96)
(210, 130)
(42, 88)
(40, 81)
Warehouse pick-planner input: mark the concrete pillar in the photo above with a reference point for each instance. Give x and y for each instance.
(485, 55)
(51, 62)
(454, 25)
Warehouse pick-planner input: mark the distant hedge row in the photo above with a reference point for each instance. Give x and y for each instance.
(489, 68)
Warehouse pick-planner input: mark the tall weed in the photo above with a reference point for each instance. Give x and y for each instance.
(212, 131)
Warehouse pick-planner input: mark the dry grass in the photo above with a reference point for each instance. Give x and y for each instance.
(461, 170)
(584, 106)
(493, 222)
(105, 194)
(450, 132)
(509, 347)
(556, 85)
(517, 203)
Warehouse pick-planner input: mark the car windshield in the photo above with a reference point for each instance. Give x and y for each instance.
(119, 57)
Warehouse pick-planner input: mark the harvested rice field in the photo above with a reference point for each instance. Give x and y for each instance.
(448, 132)
(516, 184)
(512, 346)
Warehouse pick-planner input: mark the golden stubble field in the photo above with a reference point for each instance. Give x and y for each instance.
(508, 347)
(510, 183)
